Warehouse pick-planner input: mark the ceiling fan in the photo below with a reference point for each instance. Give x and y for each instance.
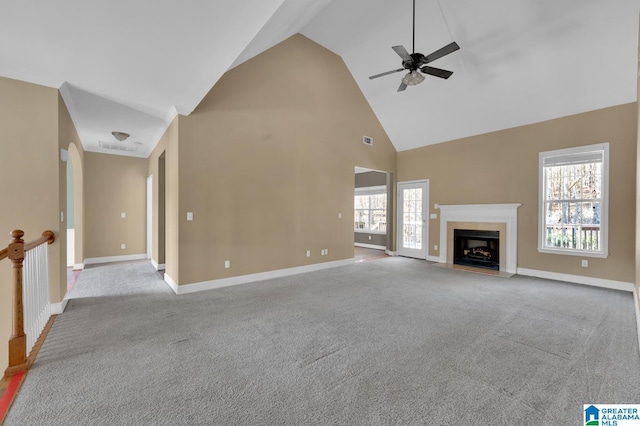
(417, 62)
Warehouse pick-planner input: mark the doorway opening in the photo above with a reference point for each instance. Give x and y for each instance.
(161, 210)
(373, 214)
(75, 215)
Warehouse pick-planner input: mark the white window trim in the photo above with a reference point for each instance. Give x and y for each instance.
(360, 231)
(371, 190)
(604, 208)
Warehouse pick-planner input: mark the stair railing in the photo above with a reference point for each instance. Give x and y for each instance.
(30, 296)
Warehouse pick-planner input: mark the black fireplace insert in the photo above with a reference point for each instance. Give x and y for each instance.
(476, 248)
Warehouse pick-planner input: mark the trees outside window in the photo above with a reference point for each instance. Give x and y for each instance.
(574, 201)
(370, 209)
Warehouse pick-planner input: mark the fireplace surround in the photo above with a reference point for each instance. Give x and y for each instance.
(485, 217)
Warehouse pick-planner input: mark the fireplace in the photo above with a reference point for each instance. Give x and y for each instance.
(491, 217)
(479, 248)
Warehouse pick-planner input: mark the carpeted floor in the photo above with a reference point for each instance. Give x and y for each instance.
(388, 342)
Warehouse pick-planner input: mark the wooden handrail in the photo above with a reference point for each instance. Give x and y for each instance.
(18, 342)
(47, 237)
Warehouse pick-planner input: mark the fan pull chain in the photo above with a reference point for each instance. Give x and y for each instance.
(443, 18)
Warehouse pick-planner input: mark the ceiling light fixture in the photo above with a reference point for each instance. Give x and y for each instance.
(413, 78)
(120, 135)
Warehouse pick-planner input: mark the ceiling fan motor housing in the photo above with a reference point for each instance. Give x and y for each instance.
(414, 63)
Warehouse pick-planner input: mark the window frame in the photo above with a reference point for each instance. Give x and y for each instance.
(604, 207)
(371, 190)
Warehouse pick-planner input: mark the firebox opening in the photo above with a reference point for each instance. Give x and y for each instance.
(476, 248)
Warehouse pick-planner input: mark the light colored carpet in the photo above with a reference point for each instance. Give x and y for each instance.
(389, 342)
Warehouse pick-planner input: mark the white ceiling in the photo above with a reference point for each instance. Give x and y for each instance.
(131, 65)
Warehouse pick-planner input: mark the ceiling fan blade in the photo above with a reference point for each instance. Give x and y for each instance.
(436, 71)
(402, 87)
(402, 52)
(386, 73)
(449, 48)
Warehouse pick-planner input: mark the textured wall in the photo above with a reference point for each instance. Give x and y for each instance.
(30, 193)
(266, 164)
(502, 167)
(114, 184)
(165, 200)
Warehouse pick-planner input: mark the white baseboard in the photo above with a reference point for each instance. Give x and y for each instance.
(391, 253)
(433, 259)
(158, 266)
(171, 283)
(58, 308)
(244, 279)
(78, 267)
(577, 279)
(108, 259)
(371, 246)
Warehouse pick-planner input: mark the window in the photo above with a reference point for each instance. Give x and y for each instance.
(370, 214)
(574, 186)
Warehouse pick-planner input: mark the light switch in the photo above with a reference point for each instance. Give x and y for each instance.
(123, 215)
(189, 216)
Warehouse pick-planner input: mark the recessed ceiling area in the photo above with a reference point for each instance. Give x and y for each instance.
(132, 66)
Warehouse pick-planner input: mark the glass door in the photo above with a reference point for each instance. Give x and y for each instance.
(413, 198)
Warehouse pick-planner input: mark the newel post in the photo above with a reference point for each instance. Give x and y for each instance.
(18, 341)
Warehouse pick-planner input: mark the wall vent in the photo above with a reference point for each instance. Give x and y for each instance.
(367, 140)
(117, 146)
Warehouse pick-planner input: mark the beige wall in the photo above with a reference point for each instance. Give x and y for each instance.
(114, 184)
(637, 235)
(502, 167)
(168, 146)
(29, 193)
(266, 164)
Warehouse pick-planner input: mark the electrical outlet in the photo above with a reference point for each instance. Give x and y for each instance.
(369, 237)
(339, 215)
(435, 247)
(189, 216)
(227, 264)
(308, 253)
(123, 246)
(326, 252)
(585, 263)
(123, 215)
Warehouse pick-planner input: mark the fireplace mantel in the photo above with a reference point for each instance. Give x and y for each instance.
(487, 213)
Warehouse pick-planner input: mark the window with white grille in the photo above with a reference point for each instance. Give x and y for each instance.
(370, 210)
(574, 201)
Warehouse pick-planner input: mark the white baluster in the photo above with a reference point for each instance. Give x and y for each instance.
(37, 308)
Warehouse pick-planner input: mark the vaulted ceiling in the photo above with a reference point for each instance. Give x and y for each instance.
(131, 65)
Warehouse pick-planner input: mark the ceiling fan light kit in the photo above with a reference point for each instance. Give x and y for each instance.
(413, 78)
(416, 63)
